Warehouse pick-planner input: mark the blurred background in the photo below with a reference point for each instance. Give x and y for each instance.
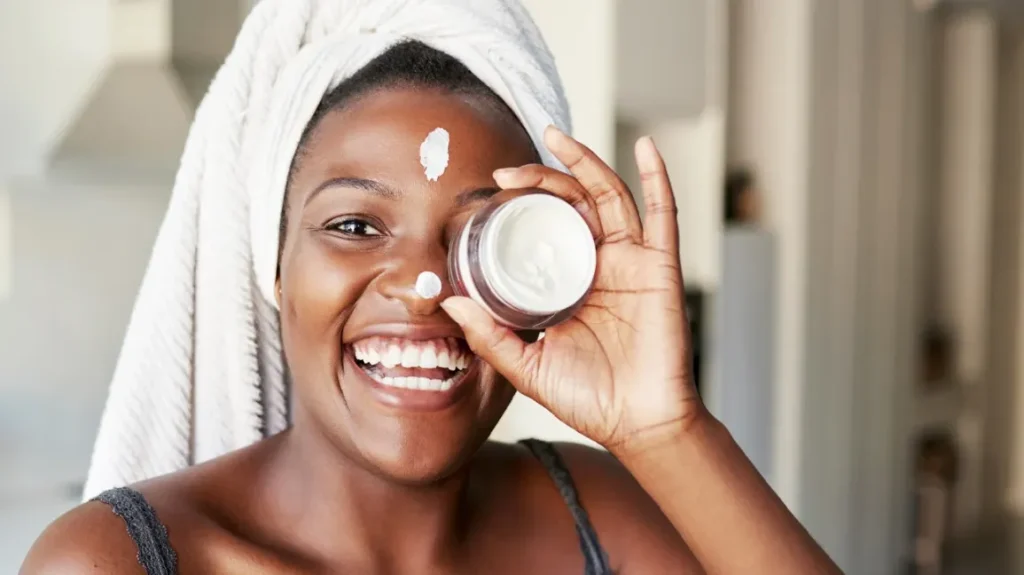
(850, 176)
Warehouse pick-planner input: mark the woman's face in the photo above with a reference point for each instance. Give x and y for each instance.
(363, 223)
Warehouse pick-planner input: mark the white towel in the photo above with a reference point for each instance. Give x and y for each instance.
(201, 371)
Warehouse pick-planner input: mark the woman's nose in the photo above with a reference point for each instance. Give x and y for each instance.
(414, 281)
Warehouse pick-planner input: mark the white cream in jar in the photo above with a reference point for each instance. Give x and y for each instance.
(529, 260)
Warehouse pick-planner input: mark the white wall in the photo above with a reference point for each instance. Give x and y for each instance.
(694, 152)
(741, 391)
(824, 105)
(769, 126)
(1006, 275)
(966, 181)
(667, 58)
(1004, 481)
(672, 85)
(72, 258)
(78, 257)
(203, 33)
(51, 53)
(890, 191)
(205, 30)
(137, 115)
(582, 36)
(6, 244)
(140, 29)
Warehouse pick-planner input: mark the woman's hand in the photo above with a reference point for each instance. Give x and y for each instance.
(619, 372)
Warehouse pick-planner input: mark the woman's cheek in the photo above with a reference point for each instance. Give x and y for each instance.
(322, 283)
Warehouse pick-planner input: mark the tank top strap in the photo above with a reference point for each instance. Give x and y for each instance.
(155, 553)
(596, 560)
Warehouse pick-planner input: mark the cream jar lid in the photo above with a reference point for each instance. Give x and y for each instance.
(537, 254)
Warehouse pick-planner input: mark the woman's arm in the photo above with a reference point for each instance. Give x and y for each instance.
(88, 540)
(728, 515)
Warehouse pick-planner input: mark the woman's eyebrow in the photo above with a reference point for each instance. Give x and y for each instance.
(385, 191)
(469, 196)
(374, 187)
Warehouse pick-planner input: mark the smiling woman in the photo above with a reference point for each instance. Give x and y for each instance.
(361, 224)
(385, 466)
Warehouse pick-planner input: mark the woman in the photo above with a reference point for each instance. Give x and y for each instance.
(372, 481)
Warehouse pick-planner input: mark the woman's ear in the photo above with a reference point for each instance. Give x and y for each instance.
(277, 291)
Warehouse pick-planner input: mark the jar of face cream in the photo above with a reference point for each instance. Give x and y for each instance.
(527, 257)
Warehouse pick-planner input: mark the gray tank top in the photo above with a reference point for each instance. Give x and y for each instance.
(157, 557)
(155, 553)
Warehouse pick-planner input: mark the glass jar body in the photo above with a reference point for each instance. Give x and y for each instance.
(476, 265)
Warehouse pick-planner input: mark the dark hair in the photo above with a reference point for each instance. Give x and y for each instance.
(409, 64)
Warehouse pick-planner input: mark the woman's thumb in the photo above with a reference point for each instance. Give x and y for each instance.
(496, 344)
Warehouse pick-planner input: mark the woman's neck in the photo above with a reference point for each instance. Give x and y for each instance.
(327, 503)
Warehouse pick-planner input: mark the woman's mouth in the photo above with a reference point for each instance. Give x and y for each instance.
(432, 365)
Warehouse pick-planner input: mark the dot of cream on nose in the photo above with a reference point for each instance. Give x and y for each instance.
(428, 285)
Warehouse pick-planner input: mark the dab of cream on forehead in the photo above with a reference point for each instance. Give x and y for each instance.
(434, 153)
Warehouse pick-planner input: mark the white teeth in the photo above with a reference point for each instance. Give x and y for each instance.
(443, 359)
(392, 358)
(410, 357)
(428, 358)
(426, 355)
(419, 383)
(369, 356)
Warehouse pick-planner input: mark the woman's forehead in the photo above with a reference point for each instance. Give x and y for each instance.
(404, 135)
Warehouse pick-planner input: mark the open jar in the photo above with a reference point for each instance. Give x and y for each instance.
(527, 257)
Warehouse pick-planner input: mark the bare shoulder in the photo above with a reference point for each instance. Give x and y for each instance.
(92, 538)
(632, 528)
(89, 539)
(198, 507)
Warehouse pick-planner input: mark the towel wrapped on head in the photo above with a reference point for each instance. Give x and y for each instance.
(201, 371)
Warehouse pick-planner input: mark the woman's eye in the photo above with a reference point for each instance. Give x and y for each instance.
(355, 227)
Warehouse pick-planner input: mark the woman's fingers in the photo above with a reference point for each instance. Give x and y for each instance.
(558, 183)
(497, 345)
(619, 216)
(661, 230)
(599, 194)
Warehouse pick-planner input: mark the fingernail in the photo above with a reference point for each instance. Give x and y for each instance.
(454, 308)
(556, 132)
(646, 154)
(504, 173)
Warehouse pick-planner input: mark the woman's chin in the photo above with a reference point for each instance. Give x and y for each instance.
(419, 461)
(414, 437)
